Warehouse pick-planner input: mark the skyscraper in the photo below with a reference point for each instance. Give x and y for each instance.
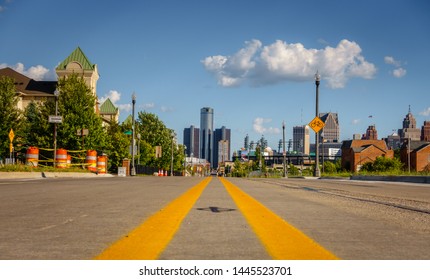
(191, 140)
(207, 134)
(371, 133)
(301, 143)
(222, 140)
(410, 130)
(425, 131)
(331, 131)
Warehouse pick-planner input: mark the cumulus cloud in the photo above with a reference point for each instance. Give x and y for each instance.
(399, 71)
(38, 72)
(113, 95)
(390, 60)
(280, 61)
(426, 112)
(259, 126)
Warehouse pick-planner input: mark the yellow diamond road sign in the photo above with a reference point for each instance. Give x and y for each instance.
(11, 135)
(316, 124)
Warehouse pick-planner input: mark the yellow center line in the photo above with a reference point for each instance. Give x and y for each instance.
(281, 240)
(148, 240)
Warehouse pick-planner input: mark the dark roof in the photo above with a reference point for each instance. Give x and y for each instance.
(415, 145)
(28, 86)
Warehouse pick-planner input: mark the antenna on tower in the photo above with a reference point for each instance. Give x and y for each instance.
(301, 116)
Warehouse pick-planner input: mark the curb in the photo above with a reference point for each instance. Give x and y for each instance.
(39, 175)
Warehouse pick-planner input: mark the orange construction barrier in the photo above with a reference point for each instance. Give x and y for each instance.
(91, 160)
(69, 160)
(61, 158)
(32, 156)
(101, 164)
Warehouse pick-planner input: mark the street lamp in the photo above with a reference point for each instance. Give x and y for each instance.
(138, 148)
(133, 170)
(317, 172)
(185, 160)
(284, 153)
(171, 164)
(57, 94)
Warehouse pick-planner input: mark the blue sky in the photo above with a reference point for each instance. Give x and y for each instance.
(252, 61)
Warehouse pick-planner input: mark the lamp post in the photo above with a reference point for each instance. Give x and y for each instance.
(56, 93)
(171, 163)
(284, 153)
(133, 170)
(138, 148)
(317, 172)
(185, 160)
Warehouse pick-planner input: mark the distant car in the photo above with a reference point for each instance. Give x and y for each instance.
(214, 173)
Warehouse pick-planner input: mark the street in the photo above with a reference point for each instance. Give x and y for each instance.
(212, 218)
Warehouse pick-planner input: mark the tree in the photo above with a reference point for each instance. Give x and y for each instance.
(117, 145)
(38, 131)
(155, 133)
(76, 104)
(10, 117)
(383, 164)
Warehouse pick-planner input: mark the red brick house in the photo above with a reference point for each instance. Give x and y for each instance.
(355, 153)
(419, 159)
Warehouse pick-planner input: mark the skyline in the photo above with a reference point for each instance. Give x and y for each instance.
(253, 63)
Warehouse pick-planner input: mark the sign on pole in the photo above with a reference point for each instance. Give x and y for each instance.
(316, 124)
(11, 135)
(55, 119)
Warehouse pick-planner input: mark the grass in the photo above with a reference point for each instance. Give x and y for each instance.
(27, 168)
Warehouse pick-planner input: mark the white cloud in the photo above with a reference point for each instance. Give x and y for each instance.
(355, 121)
(390, 60)
(1, 9)
(124, 107)
(38, 72)
(113, 95)
(399, 72)
(259, 126)
(166, 109)
(260, 65)
(148, 106)
(426, 112)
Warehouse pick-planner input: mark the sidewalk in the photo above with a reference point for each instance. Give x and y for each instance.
(37, 175)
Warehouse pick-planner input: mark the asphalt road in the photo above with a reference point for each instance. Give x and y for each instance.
(80, 218)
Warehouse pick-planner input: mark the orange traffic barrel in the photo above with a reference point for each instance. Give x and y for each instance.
(32, 156)
(69, 160)
(61, 158)
(91, 160)
(101, 164)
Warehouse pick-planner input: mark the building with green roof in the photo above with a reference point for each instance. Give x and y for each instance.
(109, 112)
(78, 63)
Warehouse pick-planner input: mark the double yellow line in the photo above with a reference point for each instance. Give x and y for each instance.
(148, 240)
(281, 240)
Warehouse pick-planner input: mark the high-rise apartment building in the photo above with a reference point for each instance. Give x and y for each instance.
(207, 134)
(410, 130)
(191, 141)
(301, 139)
(222, 140)
(331, 131)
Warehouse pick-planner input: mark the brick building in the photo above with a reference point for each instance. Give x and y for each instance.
(417, 155)
(355, 153)
(425, 131)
